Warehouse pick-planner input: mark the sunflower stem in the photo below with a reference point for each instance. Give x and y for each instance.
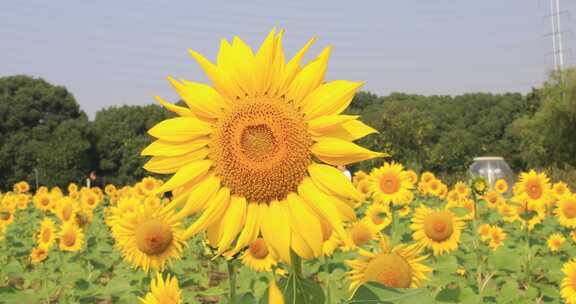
(528, 257)
(232, 280)
(327, 269)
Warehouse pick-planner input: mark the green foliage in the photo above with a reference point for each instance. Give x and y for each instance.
(120, 135)
(42, 128)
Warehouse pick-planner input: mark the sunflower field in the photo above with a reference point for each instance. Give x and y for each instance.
(246, 203)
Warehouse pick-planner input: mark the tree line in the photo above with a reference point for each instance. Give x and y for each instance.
(44, 133)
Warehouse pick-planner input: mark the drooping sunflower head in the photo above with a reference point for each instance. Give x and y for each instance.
(568, 285)
(258, 257)
(148, 237)
(71, 237)
(391, 184)
(555, 241)
(399, 267)
(438, 230)
(565, 211)
(163, 291)
(250, 147)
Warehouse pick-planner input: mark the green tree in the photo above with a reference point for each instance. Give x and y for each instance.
(37, 121)
(119, 136)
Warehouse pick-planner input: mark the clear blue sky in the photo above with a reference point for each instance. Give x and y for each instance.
(119, 52)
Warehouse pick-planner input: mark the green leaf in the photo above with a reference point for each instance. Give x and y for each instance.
(449, 295)
(377, 293)
(298, 290)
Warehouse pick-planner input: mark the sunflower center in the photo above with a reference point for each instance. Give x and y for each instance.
(5, 215)
(389, 183)
(258, 249)
(389, 269)
(361, 234)
(378, 218)
(69, 238)
(46, 234)
(438, 225)
(44, 202)
(534, 190)
(261, 149)
(153, 237)
(570, 210)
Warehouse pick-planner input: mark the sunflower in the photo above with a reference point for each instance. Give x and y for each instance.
(148, 185)
(555, 241)
(362, 232)
(22, 201)
(529, 213)
(501, 186)
(535, 186)
(378, 215)
(358, 176)
(434, 187)
(412, 176)
(438, 230)
(479, 185)
(148, 237)
(462, 189)
(404, 211)
(163, 291)
(493, 199)
(67, 209)
(565, 211)
(391, 184)
(43, 201)
(568, 285)
(497, 237)
(89, 200)
(484, 231)
(399, 267)
(508, 212)
(47, 233)
(258, 257)
(71, 237)
(560, 189)
(72, 188)
(6, 215)
(426, 177)
(244, 151)
(21, 187)
(39, 254)
(110, 189)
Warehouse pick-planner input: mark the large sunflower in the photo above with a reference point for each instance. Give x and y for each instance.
(398, 267)
(255, 151)
(438, 230)
(391, 184)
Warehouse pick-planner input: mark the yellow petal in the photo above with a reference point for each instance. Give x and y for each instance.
(309, 78)
(216, 208)
(222, 82)
(174, 108)
(277, 69)
(264, 60)
(251, 228)
(323, 205)
(199, 196)
(213, 233)
(276, 230)
(186, 174)
(293, 66)
(232, 223)
(349, 130)
(171, 164)
(244, 65)
(201, 98)
(274, 294)
(330, 98)
(180, 129)
(336, 151)
(323, 123)
(300, 247)
(335, 181)
(305, 223)
(168, 148)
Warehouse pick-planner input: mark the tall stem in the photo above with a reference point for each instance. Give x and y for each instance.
(326, 262)
(232, 280)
